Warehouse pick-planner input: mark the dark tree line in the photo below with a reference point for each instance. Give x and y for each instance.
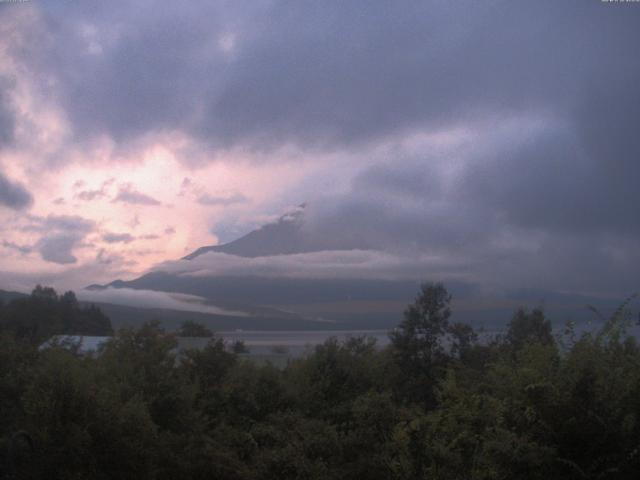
(45, 313)
(435, 404)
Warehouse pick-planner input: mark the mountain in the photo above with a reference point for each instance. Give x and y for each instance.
(6, 296)
(336, 302)
(171, 319)
(130, 316)
(280, 238)
(355, 300)
(284, 237)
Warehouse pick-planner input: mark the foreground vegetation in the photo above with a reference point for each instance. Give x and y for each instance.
(435, 404)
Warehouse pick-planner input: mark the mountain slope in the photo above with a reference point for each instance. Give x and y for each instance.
(6, 296)
(338, 301)
(283, 237)
(280, 238)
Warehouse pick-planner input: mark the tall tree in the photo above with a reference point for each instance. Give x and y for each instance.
(190, 328)
(529, 327)
(417, 343)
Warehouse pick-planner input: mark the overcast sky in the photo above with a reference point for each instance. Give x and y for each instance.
(492, 141)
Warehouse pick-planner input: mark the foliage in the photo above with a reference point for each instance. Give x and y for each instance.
(44, 313)
(526, 328)
(190, 328)
(424, 342)
(435, 404)
(239, 347)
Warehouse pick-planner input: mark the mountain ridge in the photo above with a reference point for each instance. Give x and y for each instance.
(286, 236)
(282, 237)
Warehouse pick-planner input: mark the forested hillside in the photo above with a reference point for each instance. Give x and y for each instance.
(435, 404)
(44, 313)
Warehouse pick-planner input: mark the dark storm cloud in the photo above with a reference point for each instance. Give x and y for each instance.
(13, 195)
(369, 218)
(339, 73)
(551, 183)
(344, 75)
(140, 67)
(536, 210)
(335, 72)
(413, 179)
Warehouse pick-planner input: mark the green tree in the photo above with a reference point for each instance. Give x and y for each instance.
(239, 347)
(191, 328)
(418, 344)
(43, 314)
(529, 327)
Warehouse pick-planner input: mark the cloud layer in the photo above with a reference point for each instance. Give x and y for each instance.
(13, 195)
(497, 140)
(151, 299)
